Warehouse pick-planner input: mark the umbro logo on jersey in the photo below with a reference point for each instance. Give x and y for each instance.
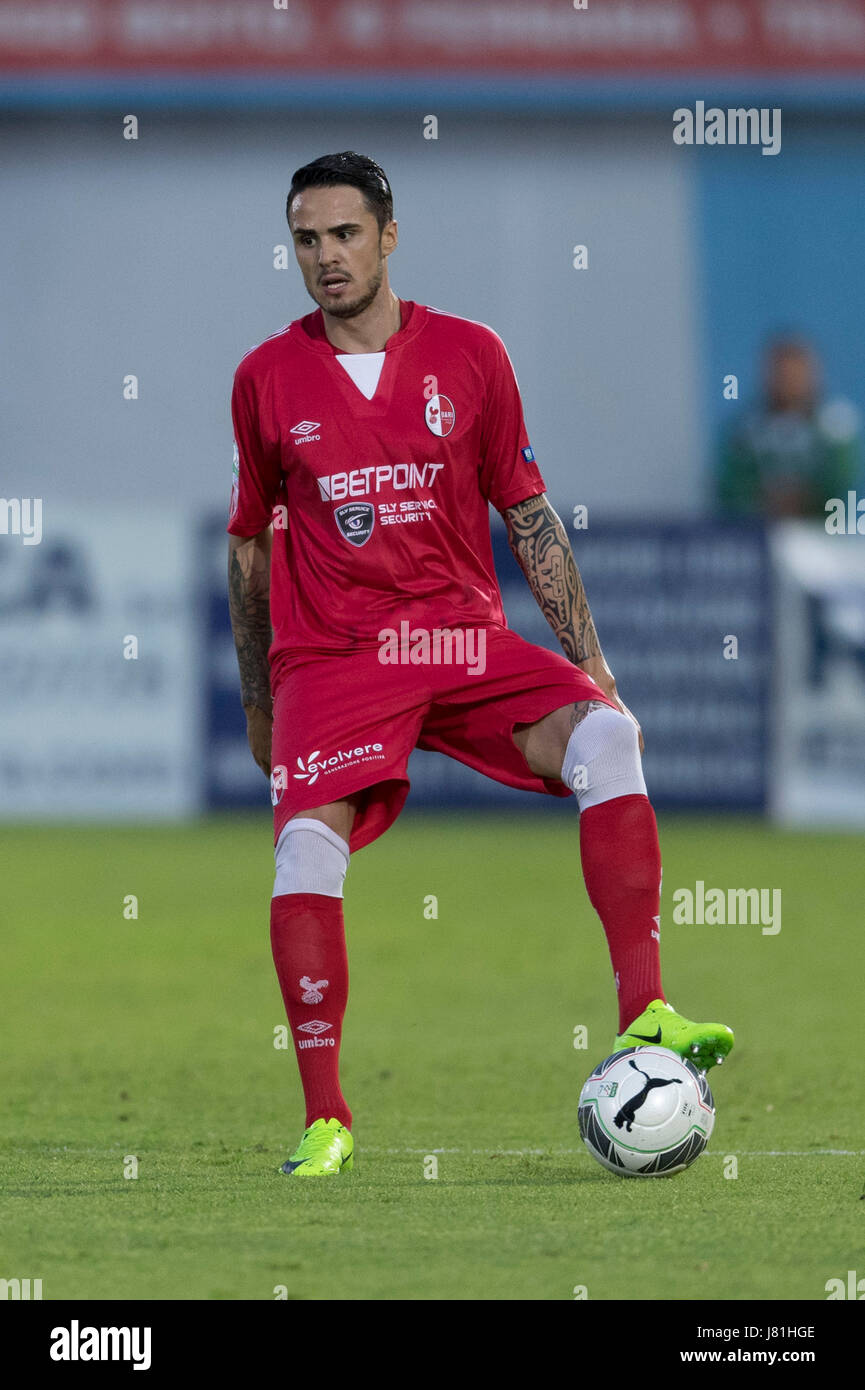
(315, 1025)
(440, 415)
(305, 431)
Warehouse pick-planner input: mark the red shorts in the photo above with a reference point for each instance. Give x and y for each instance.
(345, 723)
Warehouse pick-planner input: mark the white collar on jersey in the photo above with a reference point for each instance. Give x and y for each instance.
(364, 368)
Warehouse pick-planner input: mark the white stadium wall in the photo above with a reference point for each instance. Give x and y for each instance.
(154, 258)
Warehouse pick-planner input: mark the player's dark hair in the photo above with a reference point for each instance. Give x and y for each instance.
(355, 169)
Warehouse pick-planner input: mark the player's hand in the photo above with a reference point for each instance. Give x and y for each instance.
(597, 668)
(259, 732)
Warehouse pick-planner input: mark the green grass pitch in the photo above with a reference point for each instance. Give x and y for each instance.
(154, 1038)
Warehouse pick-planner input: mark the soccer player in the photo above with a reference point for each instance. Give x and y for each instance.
(370, 437)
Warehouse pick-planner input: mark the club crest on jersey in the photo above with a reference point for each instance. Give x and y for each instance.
(277, 785)
(355, 521)
(440, 415)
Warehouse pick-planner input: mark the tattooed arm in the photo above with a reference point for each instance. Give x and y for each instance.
(249, 607)
(543, 552)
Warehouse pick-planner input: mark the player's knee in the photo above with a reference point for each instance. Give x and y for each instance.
(602, 759)
(310, 858)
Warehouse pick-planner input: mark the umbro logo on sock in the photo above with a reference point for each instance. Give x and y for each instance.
(315, 1026)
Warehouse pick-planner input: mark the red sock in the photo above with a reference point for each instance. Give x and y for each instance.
(622, 870)
(307, 936)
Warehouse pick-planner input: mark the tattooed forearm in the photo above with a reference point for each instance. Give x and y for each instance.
(249, 607)
(542, 549)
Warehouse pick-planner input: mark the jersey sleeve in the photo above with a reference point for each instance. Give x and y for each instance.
(257, 472)
(508, 472)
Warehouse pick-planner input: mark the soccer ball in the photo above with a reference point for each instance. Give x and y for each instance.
(645, 1112)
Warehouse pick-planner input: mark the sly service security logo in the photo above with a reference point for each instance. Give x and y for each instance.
(355, 521)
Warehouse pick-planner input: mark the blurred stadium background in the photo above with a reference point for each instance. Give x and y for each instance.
(156, 257)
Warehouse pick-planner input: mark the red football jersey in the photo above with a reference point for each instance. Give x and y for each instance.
(379, 506)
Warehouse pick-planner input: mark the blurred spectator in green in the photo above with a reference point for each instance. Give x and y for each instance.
(795, 450)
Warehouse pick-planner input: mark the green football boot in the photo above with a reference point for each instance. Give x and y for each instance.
(326, 1148)
(704, 1044)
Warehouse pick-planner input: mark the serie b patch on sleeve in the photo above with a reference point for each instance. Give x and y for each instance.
(235, 483)
(528, 454)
